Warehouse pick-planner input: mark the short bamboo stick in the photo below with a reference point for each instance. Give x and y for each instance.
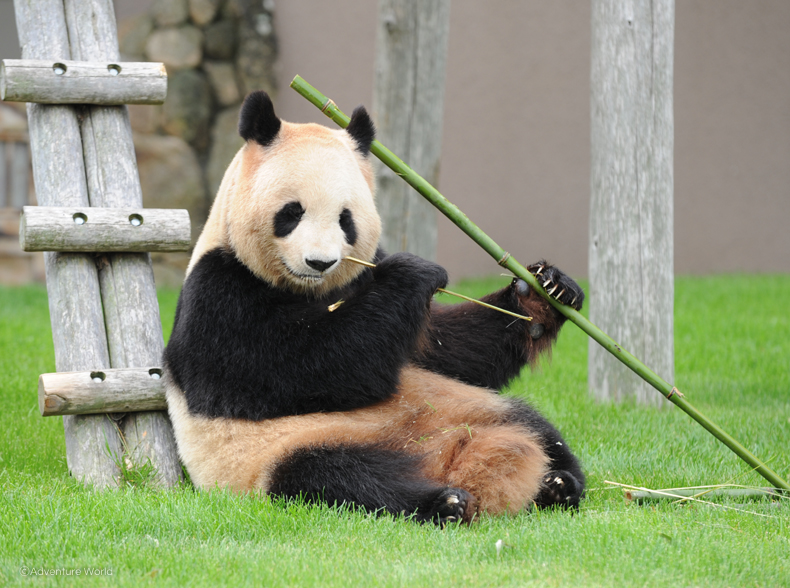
(504, 259)
(456, 294)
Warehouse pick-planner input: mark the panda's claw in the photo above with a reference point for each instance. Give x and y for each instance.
(558, 285)
(450, 506)
(560, 488)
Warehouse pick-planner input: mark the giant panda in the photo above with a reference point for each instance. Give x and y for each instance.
(294, 372)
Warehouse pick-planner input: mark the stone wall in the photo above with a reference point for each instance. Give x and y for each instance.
(16, 190)
(215, 52)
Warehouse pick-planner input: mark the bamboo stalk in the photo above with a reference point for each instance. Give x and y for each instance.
(504, 259)
(445, 291)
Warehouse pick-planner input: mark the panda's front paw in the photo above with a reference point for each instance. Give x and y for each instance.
(557, 284)
(560, 488)
(409, 269)
(451, 505)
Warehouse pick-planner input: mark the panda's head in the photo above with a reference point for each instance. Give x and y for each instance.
(300, 198)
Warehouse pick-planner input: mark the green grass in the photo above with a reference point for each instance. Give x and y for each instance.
(732, 361)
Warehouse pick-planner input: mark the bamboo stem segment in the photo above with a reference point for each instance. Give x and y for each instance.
(463, 222)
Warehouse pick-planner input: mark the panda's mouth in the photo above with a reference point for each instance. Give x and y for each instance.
(309, 278)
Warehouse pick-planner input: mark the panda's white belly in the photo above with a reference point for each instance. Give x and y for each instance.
(241, 455)
(430, 415)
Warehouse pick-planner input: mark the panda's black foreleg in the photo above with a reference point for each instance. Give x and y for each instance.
(371, 478)
(487, 348)
(563, 485)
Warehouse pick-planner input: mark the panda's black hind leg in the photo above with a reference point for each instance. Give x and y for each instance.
(560, 488)
(371, 478)
(563, 485)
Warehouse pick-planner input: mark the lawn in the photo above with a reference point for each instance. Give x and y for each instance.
(732, 361)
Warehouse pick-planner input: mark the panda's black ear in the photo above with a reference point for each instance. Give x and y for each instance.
(361, 129)
(257, 121)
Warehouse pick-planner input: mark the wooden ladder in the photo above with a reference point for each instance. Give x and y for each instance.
(90, 223)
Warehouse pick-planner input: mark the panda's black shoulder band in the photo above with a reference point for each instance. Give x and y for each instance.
(257, 120)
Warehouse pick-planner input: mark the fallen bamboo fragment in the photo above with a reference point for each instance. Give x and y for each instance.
(680, 494)
(503, 258)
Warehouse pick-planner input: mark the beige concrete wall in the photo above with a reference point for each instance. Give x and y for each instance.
(516, 134)
(732, 136)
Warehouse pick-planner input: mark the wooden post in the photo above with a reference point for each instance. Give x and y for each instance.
(408, 104)
(631, 224)
(131, 309)
(110, 317)
(75, 308)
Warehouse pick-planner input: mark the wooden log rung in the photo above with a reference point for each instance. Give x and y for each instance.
(97, 229)
(82, 82)
(101, 391)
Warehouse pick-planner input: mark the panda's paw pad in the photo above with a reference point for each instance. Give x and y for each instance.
(451, 505)
(557, 284)
(559, 488)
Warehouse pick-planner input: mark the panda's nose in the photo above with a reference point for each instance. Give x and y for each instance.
(320, 265)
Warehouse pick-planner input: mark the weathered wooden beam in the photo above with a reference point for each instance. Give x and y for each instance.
(101, 391)
(631, 197)
(408, 105)
(78, 332)
(89, 229)
(131, 309)
(82, 82)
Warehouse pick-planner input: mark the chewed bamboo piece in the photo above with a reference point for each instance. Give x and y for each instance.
(507, 261)
(443, 290)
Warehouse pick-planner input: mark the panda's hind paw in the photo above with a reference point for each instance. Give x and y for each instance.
(451, 505)
(560, 488)
(557, 284)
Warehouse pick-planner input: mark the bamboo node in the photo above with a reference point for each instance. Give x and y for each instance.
(504, 259)
(328, 102)
(673, 392)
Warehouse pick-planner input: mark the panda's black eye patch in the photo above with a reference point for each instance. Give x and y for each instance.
(287, 219)
(348, 226)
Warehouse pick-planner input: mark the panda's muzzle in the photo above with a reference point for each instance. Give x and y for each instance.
(319, 264)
